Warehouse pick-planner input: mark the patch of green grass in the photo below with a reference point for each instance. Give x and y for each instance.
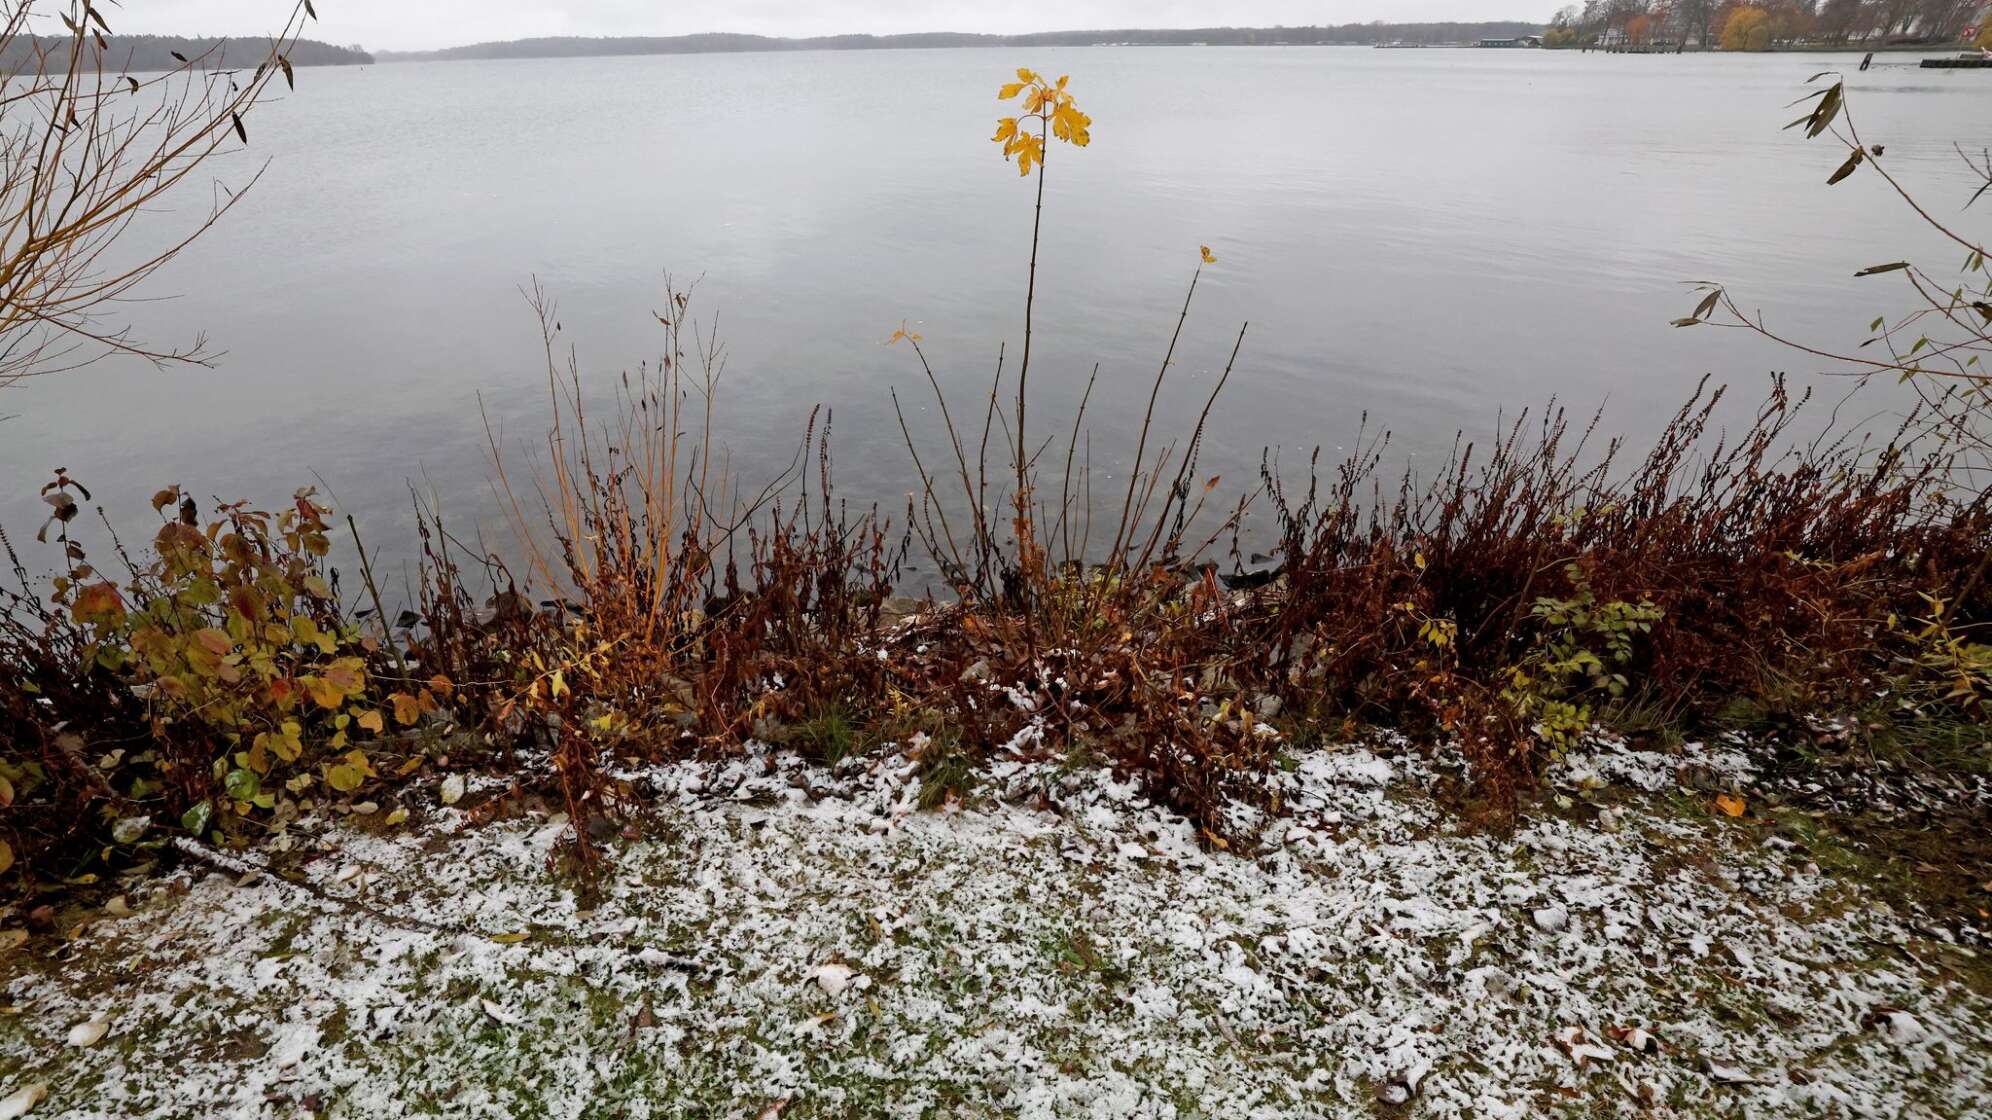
(946, 770)
(829, 737)
(1943, 741)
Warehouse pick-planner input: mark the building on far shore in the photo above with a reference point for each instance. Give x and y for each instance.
(1979, 23)
(1518, 41)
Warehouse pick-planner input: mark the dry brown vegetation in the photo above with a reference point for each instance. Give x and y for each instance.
(227, 680)
(86, 148)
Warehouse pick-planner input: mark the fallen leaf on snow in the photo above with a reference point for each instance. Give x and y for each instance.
(22, 1099)
(1730, 804)
(499, 1013)
(1578, 1049)
(90, 1031)
(1637, 1039)
(1727, 1074)
(452, 791)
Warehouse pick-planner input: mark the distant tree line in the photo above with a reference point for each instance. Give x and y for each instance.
(1361, 34)
(139, 53)
(1747, 25)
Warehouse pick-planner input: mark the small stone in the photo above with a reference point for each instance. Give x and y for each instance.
(832, 977)
(1901, 1027)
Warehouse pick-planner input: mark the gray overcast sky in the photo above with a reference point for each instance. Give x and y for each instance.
(422, 24)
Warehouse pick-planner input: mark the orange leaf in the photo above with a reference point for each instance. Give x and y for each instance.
(406, 709)
(98, 604)
(1730, 804)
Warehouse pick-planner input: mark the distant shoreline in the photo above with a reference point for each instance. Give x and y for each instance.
(1459, 36)
(1358, 35)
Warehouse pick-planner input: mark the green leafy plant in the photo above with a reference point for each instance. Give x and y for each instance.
(1580, 653)
(1944, 668)
(254, 684)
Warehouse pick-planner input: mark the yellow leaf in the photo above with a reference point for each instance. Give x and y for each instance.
(1030, 150)
(344, 777)
(1208, 256)
(1069, 125)
(511, 938)
(1730, 804)
(372, 721)
(559, 684)
(1010, 90)
(347, 675)
(326, 694)
(1024, 75)
(1005, 128)
(290, 744)
(398, 816)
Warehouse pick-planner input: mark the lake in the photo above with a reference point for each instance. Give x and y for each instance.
(1432, 237)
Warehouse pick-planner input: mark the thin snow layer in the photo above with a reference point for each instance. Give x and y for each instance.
(793, 942)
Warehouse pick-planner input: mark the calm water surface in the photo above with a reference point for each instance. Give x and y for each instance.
(1431, 237)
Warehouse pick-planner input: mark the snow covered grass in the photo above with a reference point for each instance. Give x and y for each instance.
(795, 941)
